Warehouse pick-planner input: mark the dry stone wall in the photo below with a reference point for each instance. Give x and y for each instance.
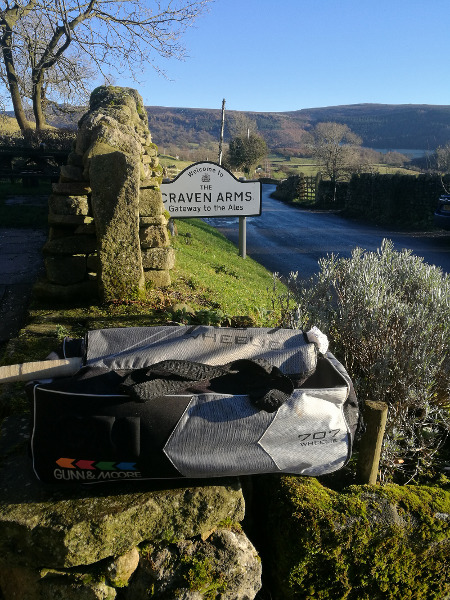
(121, 540)
(108, 232)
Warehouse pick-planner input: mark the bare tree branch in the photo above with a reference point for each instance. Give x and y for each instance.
(336, 148)
(115, 35)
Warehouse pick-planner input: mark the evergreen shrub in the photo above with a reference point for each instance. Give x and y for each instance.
(387, 314)
(405, 200)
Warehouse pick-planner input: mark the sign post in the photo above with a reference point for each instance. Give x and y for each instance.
(206, 189)
(243, 237)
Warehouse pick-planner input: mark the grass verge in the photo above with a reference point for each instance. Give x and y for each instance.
(210, 274)
(211, 285)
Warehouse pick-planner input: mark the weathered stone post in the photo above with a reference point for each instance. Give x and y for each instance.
(108, 233)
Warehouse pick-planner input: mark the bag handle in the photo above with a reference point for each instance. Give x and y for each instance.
(43, 369)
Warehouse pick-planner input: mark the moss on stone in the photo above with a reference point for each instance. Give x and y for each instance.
(157, 279)
(140, 109)
(202, 576)
(365, 543)
(114, 95)
(115, 194)
(150, 202)
(58, 528)
(157, 170)
(228, 523)
(219, 564)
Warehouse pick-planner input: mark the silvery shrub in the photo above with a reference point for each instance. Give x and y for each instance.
(387, 315)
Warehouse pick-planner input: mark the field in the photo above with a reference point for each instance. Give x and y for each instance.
(276, 166)
(173, 165)
(8, 125)
(281, 167)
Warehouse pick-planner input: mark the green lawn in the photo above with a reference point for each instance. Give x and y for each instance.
(211, 275)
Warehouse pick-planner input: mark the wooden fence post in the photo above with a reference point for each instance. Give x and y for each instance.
(375, 414)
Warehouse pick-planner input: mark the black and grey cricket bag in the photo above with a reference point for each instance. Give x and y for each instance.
(174, 402)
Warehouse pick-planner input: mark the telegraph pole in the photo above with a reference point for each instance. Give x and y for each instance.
(242, 220)
(221, 132)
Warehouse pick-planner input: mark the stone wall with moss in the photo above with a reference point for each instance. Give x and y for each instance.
(183, 539)
(365, 543)
(108, 232)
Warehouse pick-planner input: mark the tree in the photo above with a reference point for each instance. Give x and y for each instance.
(336, 148)
(40, 38)
(66, 82)
(2, 107)
(240, 125)
(244, 152)
(442, 162)
(395, 159)
(442, 158)
(439, 163)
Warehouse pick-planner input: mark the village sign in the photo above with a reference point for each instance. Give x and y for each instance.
(206, 189)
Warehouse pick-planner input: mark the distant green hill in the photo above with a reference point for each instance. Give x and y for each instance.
(389, 126)
(181, 126)
(406, 126)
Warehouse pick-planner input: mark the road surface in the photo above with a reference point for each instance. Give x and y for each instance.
(286, 239)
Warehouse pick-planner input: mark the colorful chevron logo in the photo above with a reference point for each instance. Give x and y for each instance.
(92, 465)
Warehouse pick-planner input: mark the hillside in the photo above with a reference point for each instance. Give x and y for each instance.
(406, 126)
(389, 126)
(181, 126)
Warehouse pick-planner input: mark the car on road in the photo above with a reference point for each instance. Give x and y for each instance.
(442, 213)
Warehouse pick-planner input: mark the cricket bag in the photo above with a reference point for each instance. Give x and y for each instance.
(193, 402)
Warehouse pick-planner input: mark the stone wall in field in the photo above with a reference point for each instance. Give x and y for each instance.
(108, 232)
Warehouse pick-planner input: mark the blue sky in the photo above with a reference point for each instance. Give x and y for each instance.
(281, 55)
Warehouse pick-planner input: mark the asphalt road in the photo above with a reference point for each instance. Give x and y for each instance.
(286, 239)
(21, 263)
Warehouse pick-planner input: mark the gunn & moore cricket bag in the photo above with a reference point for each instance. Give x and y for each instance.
(192, 402)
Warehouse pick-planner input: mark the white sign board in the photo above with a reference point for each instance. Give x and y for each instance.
(206, 189)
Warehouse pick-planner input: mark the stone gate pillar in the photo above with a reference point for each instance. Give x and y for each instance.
(108, 233)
